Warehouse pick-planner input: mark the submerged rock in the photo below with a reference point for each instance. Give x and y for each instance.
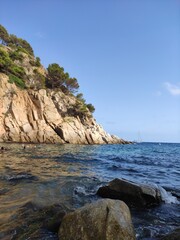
(133, 194)
(35, 222)
(175, 235)
(103, 220)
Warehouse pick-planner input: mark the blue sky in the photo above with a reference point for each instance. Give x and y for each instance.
(124, 53)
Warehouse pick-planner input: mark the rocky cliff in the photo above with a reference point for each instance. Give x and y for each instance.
(45, 116)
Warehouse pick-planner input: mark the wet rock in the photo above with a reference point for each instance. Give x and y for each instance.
(133, 194)
(175, 235)
(54, 217)
(35, 222)
(103, 220)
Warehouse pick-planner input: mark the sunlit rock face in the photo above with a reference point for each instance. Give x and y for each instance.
(46, 116)
(103, 220)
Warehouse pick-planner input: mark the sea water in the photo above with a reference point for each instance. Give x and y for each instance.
(47, 174)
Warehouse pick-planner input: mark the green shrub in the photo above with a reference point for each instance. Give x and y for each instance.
(18, 81)
(7, 65)
(39, 80)
(79, 96)
(90, 107)
(20, 49)
(38, 62)
(5, 61)
(81, 108)
(16, 55)
(17, 71)
(4, 36)
(35, 62)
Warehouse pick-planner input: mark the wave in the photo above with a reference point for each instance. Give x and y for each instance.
(166, 196)
(75, 158)
(118, 159)
(19, 176)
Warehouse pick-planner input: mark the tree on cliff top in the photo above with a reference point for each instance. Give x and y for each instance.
(19, 42)
(80, 98)
(90, 107)
(57, 78)
(12, 39)
(4, 36)
(72, 84)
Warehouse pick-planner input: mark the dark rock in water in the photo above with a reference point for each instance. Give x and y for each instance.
(103, 220)
(54, 217)
(135, 195)
(175, 235)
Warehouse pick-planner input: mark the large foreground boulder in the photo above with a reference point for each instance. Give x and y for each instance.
(133, 194)
(103, 220)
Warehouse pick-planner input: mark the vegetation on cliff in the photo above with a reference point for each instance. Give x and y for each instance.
(17, 60)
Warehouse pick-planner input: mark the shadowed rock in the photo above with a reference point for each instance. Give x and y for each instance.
(136, 195)
(103, 220)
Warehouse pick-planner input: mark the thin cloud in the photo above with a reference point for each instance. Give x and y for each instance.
(172, 88)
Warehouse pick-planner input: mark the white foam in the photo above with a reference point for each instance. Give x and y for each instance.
(167, 196)
(80, 190)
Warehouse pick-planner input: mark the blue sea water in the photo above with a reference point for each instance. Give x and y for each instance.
(71, 174)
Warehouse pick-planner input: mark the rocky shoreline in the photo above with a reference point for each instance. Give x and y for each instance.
(104, 219)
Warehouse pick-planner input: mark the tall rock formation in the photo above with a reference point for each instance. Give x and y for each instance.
(46, 116)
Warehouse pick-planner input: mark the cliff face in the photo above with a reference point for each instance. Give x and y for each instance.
(45, 116)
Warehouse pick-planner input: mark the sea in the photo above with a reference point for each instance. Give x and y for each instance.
(47, 174)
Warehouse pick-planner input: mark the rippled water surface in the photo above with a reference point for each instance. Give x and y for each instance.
(71, 174)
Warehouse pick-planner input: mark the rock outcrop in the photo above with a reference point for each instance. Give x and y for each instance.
(46, 116)
(102, 220)
(133, 194)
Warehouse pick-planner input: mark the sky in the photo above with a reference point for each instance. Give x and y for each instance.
(125, 55)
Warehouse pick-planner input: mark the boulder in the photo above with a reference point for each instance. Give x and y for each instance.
(103, 220)
(133, 194)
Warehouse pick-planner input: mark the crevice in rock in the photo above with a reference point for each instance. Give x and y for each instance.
(106, 221)
(104, 139)
(60, 133)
